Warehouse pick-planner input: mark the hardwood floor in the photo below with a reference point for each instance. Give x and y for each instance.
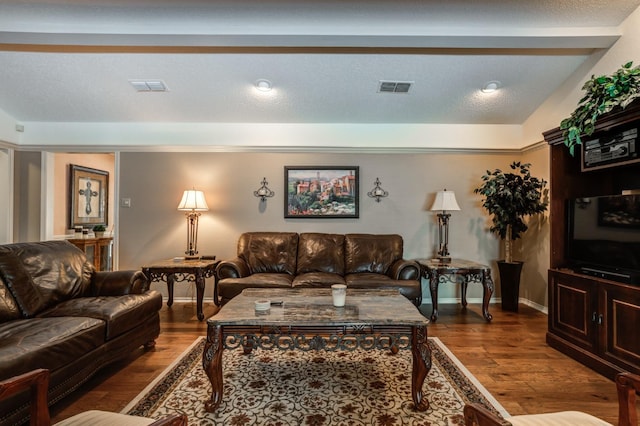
(508, 356)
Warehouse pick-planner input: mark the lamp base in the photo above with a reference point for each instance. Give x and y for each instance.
(191, 257)
(444, 259)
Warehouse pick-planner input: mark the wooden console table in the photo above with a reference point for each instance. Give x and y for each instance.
(464, 272)
(99, 251)
(196, 270)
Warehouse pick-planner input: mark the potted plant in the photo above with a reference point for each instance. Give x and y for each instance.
(603, 94)
(509, 196)
(98, 231)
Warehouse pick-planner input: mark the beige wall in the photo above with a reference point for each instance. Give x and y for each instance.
(154, 229)
(27, 196)
(533, 247)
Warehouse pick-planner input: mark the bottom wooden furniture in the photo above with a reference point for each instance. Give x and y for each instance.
(37, 381)
(595, 321)
(99, 251)
(181, 270)
(627, 385)
(306, 319)
(463, 272)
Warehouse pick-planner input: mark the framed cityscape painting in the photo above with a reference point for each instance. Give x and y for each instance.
(88, 196)
(321, 192)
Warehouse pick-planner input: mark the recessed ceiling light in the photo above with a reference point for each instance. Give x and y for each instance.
(263, 85)
(491, 87)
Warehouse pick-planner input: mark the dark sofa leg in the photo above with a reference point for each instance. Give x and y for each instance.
(150, 345)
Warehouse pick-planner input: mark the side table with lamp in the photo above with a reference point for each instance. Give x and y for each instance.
(445, 269)
(191, 267)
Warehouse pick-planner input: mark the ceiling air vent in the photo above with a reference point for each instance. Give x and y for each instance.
(149, 85)
(394, 86)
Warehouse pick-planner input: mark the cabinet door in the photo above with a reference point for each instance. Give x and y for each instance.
(572, 309)
(106, 255)
(620, 338)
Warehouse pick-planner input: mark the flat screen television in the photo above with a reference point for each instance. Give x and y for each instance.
(603, 236)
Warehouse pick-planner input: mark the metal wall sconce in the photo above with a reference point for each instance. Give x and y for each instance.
(377, 192)
(264, 192)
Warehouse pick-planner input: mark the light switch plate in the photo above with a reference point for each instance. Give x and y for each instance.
(125, 203)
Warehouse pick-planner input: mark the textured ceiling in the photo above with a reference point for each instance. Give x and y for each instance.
(71, 61)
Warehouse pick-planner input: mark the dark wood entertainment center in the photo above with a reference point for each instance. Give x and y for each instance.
(593, 320)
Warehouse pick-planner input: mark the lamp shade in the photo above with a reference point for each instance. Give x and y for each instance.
(193, 200)
(445, 200)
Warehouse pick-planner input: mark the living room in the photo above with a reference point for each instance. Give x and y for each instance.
(154, 164)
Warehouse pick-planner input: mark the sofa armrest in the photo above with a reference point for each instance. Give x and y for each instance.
(118, 283)
(234, 268)
(403, 269)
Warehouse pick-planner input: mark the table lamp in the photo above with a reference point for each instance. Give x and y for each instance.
(192, 204)
(445, 201)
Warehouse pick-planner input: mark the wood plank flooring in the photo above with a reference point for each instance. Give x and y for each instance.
(508, 356)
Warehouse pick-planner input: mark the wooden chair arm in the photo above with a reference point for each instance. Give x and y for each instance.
(38, 382)
(627, 385)
(477, 415)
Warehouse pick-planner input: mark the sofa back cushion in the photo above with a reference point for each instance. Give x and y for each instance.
(321, 253)
(371, 253)
(16, 278)
(269, 251)
(43, 274)
(8, 306)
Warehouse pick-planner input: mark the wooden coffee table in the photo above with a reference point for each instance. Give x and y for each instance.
(305, 319)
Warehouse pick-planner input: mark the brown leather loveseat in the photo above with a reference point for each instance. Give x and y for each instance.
(291, 260)
(58, 313)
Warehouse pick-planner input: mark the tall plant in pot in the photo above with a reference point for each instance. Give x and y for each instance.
(509, 197)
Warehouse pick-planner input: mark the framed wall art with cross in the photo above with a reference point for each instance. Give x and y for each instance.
(88, 196)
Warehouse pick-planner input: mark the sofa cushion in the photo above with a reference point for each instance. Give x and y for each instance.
(231, 287)
(52, 343)
(371, 253)
(42, 274)
(19, 283)
(120, 313)
(320, 253)
(411, 289)
(317, 279)
(269, 251)
(8, 306)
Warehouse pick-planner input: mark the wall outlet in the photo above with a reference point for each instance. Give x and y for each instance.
(125, 203)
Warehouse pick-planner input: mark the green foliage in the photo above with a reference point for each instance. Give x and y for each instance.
(511, 196)
(99, 228)
(603, 94)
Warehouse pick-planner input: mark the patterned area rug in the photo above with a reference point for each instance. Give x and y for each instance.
(314, 388)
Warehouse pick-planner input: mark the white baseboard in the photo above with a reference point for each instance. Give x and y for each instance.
(478, 300)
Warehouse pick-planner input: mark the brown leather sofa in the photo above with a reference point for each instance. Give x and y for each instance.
(57, 312)
(291, 260)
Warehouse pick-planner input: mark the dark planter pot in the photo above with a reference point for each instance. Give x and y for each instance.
(510, 284)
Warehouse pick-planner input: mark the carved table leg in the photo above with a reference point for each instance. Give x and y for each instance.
(170, 278)
(433, 289)
(487, 284)
(421, 365)
(464, 283)
(199, 294)
(212, 366)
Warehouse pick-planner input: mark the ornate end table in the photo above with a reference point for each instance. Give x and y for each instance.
(196, 270)
(463, 272)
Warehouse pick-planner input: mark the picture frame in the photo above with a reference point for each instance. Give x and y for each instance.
(322, 192)
(88, 196)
